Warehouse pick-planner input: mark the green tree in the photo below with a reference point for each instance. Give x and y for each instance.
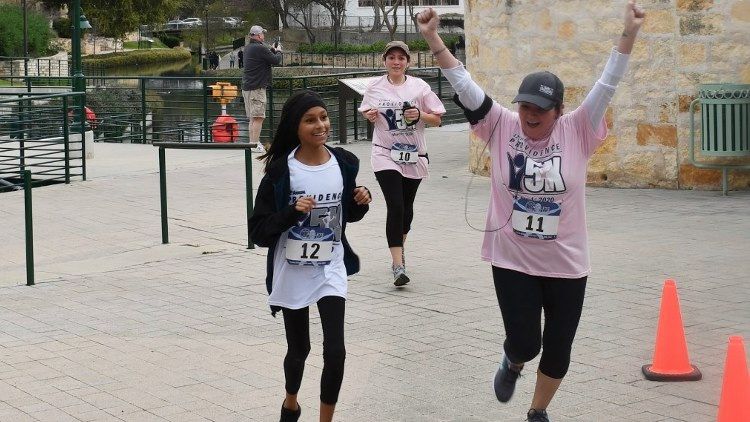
(117, 18)
(11, 31)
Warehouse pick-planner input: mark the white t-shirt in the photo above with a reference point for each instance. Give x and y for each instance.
(390, 128)
(297, 284)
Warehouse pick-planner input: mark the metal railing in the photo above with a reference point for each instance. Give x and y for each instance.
(181, 109)
(163, 146)
(42, 134)
(372, 60)
(42, 71)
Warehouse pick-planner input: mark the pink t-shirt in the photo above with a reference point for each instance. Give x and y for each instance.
(390, 128)
(536, 221)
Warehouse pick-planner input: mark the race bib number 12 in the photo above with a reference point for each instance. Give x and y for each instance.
(309, 245)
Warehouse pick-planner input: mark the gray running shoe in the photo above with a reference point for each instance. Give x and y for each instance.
(505, 380)
(535, 415)
(399, 276)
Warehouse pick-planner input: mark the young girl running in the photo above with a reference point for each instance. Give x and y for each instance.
(304, 201)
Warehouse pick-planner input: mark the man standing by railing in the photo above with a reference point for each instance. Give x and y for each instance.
(256, 77)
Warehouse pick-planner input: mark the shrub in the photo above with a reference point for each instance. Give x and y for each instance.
(11, 32)
(137, 57)
(62, 27)
(169, 40)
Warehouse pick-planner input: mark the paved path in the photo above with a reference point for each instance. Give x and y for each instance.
(121, 327)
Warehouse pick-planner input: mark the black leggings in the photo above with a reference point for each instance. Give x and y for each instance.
(399, 193)
(522, 298)
(297, 327)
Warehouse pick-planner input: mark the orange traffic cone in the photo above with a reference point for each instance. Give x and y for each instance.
(671, 362)
(735, 392)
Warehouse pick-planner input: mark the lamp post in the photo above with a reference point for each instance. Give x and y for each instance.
(78, 80)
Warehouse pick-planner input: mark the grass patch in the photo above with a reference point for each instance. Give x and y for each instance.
(137, 57)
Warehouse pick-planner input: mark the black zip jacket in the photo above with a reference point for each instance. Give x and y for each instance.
(273, 214)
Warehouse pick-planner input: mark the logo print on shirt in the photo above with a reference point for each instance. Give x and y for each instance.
(536, 177)
(329, 217)
(395, 119)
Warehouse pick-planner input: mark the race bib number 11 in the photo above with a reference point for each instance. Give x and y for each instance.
(535, 219)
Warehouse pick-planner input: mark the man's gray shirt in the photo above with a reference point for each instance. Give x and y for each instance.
(258, 61)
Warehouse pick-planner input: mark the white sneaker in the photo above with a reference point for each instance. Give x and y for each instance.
(259, 148)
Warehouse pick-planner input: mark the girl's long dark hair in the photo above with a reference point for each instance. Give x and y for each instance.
(286, 139)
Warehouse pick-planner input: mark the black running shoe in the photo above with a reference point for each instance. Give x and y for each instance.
(290, 415)
(505, 380)
(537, 416)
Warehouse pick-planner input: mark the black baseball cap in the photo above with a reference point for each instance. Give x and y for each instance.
(543, 89)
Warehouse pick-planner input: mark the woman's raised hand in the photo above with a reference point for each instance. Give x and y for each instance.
(634, 17)
(428, 20)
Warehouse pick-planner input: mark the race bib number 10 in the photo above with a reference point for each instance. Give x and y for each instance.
(309, 246)
(535, 219)
(404, 153)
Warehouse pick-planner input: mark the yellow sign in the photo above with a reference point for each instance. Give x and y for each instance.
(223, 92)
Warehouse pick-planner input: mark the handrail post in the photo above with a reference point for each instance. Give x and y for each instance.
(143, 109)
(28, 214)
(83, 142)
(66, 140)
(163, 195)
(21, 134)
(249, 193)
(205, 109)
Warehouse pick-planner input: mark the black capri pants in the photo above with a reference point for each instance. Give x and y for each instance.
(521, 298)
(297, 327)
(399, 193)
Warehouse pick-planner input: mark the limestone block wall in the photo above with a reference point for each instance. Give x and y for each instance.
(682, 44)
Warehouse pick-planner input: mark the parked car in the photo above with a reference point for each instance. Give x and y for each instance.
(192, 22)
(174, 24)
(231, 21)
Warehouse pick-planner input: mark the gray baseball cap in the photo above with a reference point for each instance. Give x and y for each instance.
(543, 89)
(396, 44)
(257, 30)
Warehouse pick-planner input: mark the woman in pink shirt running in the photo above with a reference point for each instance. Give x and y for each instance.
(535, 236)
(399, 106)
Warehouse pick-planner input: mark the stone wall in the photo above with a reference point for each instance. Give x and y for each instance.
(682, 44)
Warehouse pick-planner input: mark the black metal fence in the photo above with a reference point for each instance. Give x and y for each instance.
(41, 134)
(182, 109)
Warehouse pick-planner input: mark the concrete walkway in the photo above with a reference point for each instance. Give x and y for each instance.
(121, 327)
